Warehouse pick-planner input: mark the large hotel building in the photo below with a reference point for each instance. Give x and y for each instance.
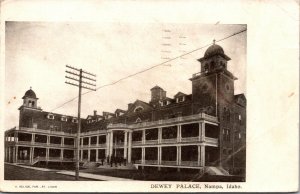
(204, 129)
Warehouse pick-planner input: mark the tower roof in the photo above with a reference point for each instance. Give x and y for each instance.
(214, 50)
(29, 94)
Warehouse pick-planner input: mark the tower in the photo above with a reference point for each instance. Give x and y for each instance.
(30, 99)
(213, 87)
(28, 109)
(157, 94)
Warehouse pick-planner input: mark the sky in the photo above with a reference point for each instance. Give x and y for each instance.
(36, 54)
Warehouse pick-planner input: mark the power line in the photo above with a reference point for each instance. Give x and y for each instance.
(152, 67)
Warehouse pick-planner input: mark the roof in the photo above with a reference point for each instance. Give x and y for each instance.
(156, 87)
(29, 94)
(180, 94)
(214, 50)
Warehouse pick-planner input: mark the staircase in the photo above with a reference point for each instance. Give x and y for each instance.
(212, 170)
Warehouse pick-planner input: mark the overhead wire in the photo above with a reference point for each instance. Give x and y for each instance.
(149, 68)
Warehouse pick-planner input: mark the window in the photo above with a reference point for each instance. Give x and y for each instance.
(212, 65)
(50, 116)
(206, 67)
(180, 99)
(226, 114)
(165, 103)
(138, 120)
(64, 119)
(226, 135)
(138, 109)
(74, 120)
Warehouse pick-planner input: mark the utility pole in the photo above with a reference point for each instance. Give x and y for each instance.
(81, 78)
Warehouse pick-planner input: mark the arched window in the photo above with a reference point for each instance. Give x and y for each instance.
(138, 109)
(212, 65)
(205, 67)
(138, 120)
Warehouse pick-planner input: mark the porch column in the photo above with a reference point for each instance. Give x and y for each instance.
(144, 136)
(48, 139)
(129, 146)
(107, 145)
(159, 134)
(97, 154)
(159, 155)
(111, 143)
(5, 152)
(201, 131)
(178, 133)
(97, 143)
(89, 141)
(81, 155)
(62, 141)
(16, 154)
(201, 155)
(33, 138)
(143, 155)
(9, 154)
(32, 154)
(47, 154)
(89, 155)
(178, 160)
(62, 154)
(16, 136)
(125, 145)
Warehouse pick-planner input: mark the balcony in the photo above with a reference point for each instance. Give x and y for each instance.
(173, 140)
(151, 162)
(211, 141)
(196, 117)
(170, 163)
(93, 132)
(134, 143)
(189, 139)
(34, 130)
(189, 163)
(30, 143)
(151, 142)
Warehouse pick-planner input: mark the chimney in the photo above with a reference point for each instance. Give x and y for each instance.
(157, 93)
(95, 113)
(129, 105)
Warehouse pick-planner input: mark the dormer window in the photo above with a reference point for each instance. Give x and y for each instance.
(206, 67)
(99, 119)
(63, 118)
(138, 109)
(50, 116)
(166, 102)
(138, 120)
(180, 99)
(74, 120)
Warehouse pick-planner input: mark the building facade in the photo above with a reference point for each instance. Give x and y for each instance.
(206, 128)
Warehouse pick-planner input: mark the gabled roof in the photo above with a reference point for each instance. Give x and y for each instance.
(180, 94)
(120, 110)
(240, 96)
(156, 87)
(137, 103)
(240, 99)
